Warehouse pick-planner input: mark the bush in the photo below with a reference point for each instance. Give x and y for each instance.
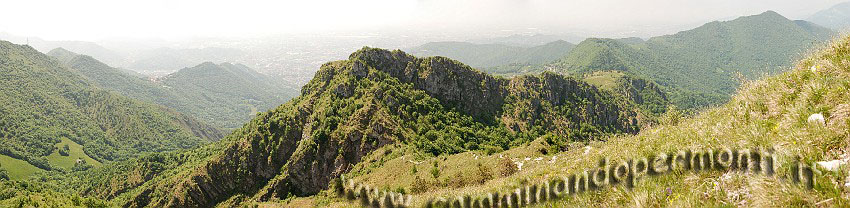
(484, 174)
(435, 171)
(82, 165)
(3, 174)
(490, 149)
(458, 180)
(64, 151)
(507, 167)
(419, 185)
(672, 116)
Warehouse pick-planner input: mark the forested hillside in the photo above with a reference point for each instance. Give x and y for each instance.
(44, 103)
(225, 95)
(702, 66)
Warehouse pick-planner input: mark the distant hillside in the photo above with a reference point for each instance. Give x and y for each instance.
(378, 98)
(45, 103)
(836, 17)
(66, 56)
(493, 55)
(527, 40)
(111, 57)
(700, 67)
(224, 95)
(231, 94)
(169, 59)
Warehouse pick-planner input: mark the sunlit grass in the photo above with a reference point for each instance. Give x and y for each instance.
(17, 169)
(75, 153)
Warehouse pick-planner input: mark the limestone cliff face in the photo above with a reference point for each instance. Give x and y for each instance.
(453, 83)
(356, 106)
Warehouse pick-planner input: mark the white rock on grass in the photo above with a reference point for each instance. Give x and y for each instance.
(832, 165)
(554, 158)
(814, 69)
(414, 162)
(817, 118)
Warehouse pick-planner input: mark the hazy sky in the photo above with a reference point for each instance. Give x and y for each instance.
(97, 19)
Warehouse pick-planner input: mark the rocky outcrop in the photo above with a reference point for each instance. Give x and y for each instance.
(453, 83)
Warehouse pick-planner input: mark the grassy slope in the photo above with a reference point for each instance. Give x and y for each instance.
(76, 152)
(18, 169)
(604, 79)
(770, 113)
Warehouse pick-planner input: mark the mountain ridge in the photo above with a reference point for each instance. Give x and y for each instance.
(381, 98)
(224, 95)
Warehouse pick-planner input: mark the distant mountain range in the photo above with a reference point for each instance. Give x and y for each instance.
(836, 17)
(83, 47)
(526, 40)
(493, 55)
(169, 59)
(697, 67)
(702, 66)
(225, 95)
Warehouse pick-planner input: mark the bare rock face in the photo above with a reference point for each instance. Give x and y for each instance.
(453, 83)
